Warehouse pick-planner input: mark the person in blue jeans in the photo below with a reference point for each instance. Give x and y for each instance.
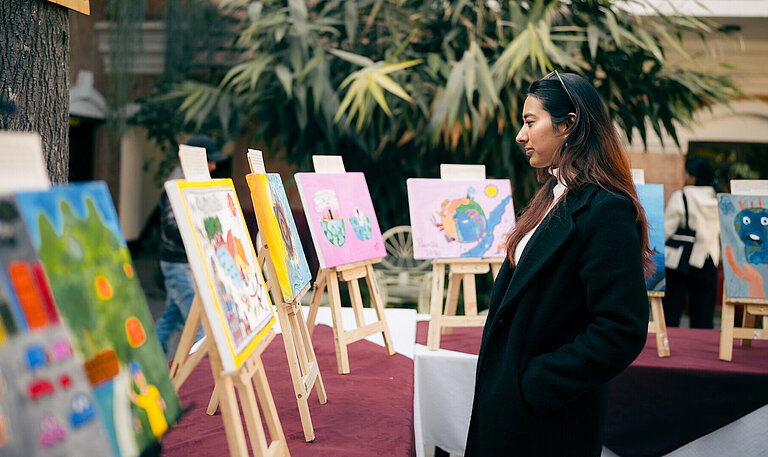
(178, 280)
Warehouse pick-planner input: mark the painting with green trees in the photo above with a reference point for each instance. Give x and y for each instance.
(76, 235)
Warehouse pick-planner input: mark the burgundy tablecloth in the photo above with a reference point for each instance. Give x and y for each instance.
(369, 411)
(660, 404)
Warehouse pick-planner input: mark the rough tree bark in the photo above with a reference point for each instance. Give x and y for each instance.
(34, 76)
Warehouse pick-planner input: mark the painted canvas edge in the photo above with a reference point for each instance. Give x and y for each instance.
(265, 219)
(656, 191)
(231, 361)
(302, 270)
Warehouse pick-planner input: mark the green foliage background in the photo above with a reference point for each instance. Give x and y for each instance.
(398, 86)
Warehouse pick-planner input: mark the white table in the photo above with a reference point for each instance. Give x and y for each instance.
(444, 383)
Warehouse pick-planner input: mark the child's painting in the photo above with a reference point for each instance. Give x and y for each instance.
(341, 217)
(224, 265)
(651, 197)
(47, 406)
(74, 230)
(452, 219)
(744, 242)
(280, 234)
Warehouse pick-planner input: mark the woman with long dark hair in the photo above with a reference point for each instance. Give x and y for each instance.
(569, 307)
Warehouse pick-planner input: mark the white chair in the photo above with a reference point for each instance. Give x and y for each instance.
(401, 278)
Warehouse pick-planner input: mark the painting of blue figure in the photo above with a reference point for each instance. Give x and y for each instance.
(744, 243)
(651, 197)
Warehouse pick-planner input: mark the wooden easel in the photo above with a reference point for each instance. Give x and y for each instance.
(250, 381)
(460, 271)
(657, 324)
(328, 278)
(753, 308)
(302, 362)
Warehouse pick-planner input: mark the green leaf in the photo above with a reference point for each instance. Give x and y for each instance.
(613, 26)
(351, 58)
(593, 37)
(393, 67)
(468, 64)
(391, 86)
(285, 77)
(350, 18)
(378, 95)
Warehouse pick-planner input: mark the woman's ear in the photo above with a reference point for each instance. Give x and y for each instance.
(572, 117)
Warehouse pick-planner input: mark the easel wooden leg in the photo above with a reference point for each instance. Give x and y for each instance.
(295, 359)
(357, 302)
(213, 403)
(225, 389)
(350, 274)
(452, 298)
(378, 305)
(251, 412)
(726, 331)
(747, 321)
(183, 363)
(342, 358)
(470, 295)
(278, 446)
(660, 327)
(436, 306)
(310, 353)
(317, 296)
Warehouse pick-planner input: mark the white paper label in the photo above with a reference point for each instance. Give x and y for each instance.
(256, 161)
(749, 187)
(22, 166)
(328, 164)
(638, 176)
(461, 172)
(194, 163)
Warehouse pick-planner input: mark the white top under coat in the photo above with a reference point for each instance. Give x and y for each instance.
(558, 192)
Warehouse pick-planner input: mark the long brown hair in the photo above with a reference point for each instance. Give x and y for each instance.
(590, 154)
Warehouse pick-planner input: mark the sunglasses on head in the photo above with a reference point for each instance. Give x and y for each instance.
(565, 88)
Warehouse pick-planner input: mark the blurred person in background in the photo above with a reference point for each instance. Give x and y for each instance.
(697, 286)
(177, 277)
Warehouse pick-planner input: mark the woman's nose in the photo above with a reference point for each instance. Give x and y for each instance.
(522, 135)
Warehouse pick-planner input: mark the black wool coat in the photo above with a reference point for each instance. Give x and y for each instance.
(570, 317)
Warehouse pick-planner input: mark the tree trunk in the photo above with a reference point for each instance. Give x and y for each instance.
(34, 76)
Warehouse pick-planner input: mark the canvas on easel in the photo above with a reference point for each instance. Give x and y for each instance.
(224, 265)
(282, 256)
(232, 303)
(47, 406)
(651, 198)
(744, 243)
(75, 232)
(455, 219)
(279, 232)
(348, 241)
(460, 221)
(341, 218)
